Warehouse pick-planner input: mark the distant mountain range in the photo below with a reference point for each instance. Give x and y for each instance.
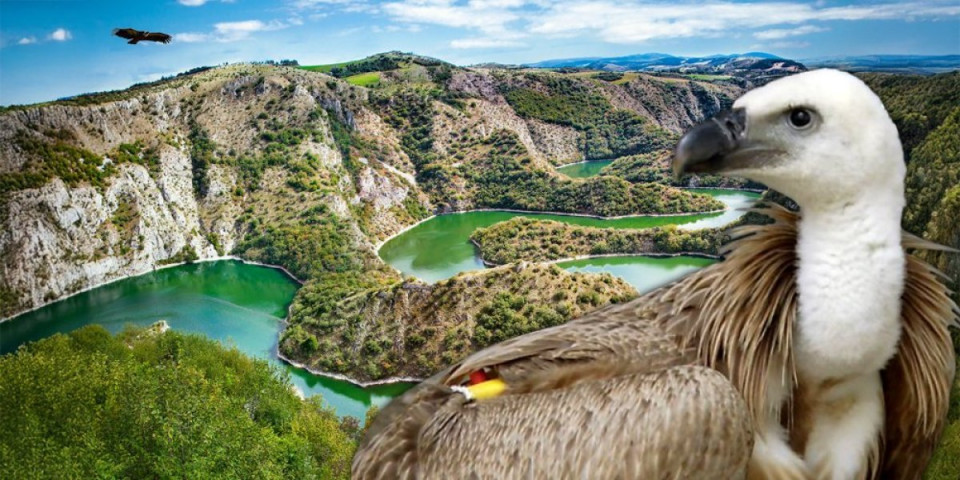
(659, 61)
(751, 63)
(756, 62)
(889, 63)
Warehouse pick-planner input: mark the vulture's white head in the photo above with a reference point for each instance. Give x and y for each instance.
(822, 138)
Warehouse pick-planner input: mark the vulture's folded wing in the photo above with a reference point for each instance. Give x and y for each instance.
(680, 422)
(652, 424)
(604, 343)
(609, 335)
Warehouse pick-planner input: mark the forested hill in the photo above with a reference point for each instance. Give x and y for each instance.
(926, 111)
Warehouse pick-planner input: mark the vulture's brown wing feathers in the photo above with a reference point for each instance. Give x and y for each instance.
(917, 380)
(128, 33)
(738, 315)
(157, 37)
(685, 419)
(603, 382)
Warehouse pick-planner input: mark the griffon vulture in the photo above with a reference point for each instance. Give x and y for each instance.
(138, 36)
(818, 348)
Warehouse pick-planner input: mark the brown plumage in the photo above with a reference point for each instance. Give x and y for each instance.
(139, 36)
(629, 381)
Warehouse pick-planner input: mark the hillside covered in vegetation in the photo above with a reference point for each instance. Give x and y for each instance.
(525, 239)
(927, 113)
(413, 330)
(160, 405)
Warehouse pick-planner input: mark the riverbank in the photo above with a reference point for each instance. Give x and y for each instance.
(581, 162)
(345, 378)
(409, 331)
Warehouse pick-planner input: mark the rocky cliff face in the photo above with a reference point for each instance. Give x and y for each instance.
(58, 239)
(61, 235)
(253, 158)
(672, 103)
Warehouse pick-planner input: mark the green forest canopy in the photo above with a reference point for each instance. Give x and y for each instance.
(90, 405)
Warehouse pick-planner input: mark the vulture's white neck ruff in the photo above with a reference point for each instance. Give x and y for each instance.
(850, 279)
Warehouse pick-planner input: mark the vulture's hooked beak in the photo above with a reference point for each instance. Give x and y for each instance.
(704, 148)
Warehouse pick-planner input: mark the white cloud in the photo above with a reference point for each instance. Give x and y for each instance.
(637, 22)
(27, 40)
(232, 31)
(246, 26)
(493, 23)
(488, 20)
(788, 45)
(412, 28)
(308, 4)
(497, 3)
(60, 35)
(777, 34)
(496, 20)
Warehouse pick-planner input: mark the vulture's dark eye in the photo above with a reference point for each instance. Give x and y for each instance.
(800, 118)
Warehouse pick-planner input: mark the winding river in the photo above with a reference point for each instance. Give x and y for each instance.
(244, 305)
(236, 303)
(440, 247)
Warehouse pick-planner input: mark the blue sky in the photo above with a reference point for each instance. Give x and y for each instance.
(56, 48)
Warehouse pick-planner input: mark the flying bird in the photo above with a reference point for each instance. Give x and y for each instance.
(138, 36)
(818, 348)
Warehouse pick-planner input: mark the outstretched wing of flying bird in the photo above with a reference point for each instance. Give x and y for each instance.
(128, 33)
(135, 35)
(157, 37)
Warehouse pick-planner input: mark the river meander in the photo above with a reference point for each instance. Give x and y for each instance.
(244, 305)
(440, 247)
(236, 303)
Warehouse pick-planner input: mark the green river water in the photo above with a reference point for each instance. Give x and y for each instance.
(238, 304)
(244, 305)
(440, 247)
(643, 273)
(584, 169)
